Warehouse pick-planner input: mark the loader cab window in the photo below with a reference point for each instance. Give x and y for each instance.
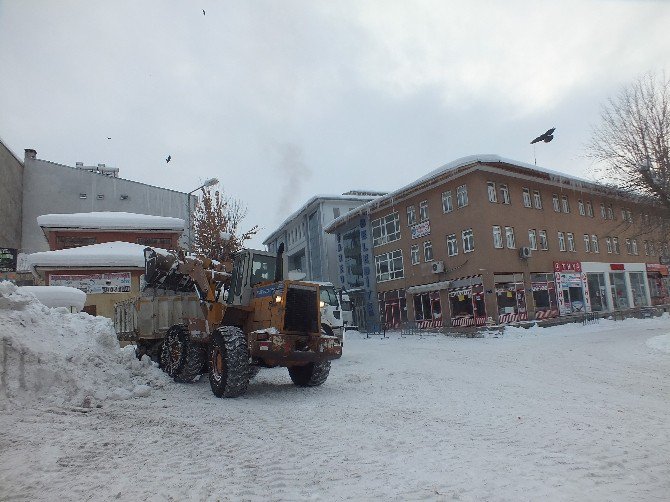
(328, 296)
(239, 266)
(262, 269)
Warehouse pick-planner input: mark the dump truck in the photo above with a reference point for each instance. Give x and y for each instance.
(198, 316)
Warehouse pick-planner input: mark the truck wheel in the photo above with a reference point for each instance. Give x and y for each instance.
(228, 362)
(310, 375)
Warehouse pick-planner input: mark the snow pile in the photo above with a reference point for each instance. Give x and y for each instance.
(660, 342)
(75, 359)
(57, 296)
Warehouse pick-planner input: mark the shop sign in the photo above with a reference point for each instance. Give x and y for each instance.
(421, 229)
(655, 267)
(617, 266)
(567, 266)
(8, 259)
(540, 286)
(112, 282)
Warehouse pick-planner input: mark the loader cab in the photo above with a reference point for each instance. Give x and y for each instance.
(250, 268)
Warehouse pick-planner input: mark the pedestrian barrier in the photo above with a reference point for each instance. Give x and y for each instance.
(590, 318)
(375, 329)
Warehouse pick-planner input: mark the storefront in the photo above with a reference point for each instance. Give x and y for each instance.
(510, 297)
(659, 283)
(543, 288)
(466, 301)
(393, 307)
(616, 286)
(571, 288)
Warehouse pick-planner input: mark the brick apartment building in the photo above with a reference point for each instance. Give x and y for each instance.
(485, 238)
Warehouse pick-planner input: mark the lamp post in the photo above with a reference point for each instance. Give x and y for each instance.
(210, 182)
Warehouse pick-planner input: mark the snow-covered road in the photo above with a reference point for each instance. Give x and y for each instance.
(566, 413)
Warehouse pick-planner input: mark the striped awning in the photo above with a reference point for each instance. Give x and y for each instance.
(467, 281)
(425, 288)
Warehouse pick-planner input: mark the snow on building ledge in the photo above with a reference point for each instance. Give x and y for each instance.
(105, 255)
(109, 220)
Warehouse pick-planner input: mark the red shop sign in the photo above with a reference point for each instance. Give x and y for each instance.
(567, 266)
(617, 266)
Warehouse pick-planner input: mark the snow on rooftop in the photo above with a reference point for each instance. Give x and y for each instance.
(106, 254)
(57, 296)
(110, 220)
(452, 166)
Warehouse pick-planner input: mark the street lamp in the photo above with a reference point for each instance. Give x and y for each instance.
(210, 182)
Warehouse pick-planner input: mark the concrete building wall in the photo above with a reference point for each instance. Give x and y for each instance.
(11, 189)
(54, 188)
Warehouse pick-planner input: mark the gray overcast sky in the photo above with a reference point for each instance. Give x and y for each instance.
(282, 100)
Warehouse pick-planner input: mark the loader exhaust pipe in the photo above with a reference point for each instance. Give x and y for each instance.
(279, 265)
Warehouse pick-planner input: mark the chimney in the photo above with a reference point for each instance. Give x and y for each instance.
(30, 153)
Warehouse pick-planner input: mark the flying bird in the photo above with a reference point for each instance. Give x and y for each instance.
(108, 137)
(203, 12)
(546, 137)
(169, 158)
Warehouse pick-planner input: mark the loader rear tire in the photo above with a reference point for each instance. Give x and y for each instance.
(228, 362)
(173, 352)
(196, 357)
(309, 375)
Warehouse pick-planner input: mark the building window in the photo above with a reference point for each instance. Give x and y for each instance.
(452, 245)
(608, 243)
(556, 203)
(526, 197)
(566, 204)
(336, 212)
(504, 194)
(155, 242)
(509, 237)
(629, 246)
(532, 238)
(615, 245)
(447, 204)
(646, 247)
(537, 198)
(411, 216)
(497, 237)
(491, 187)
(423, 210)
(462, 196)
(582, 210)
(544, 244)
(589, 209)
(468, 240)
(652, 249)
(389, 266)
(571, 242)
(427, 251)
(414, 254)
(623, 215)
(561, 241)
(610, 212)
(67, 242)
(587, 243)
(630, 216)
(602, 211)
(634, 243)
(386, 229)
(594, 243)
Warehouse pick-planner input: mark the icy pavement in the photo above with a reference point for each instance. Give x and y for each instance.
(565, 413)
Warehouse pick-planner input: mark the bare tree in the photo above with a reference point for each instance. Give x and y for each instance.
(632, 141)
(216, 223)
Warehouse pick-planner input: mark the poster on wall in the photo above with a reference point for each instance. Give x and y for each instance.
(8, 259)
(112, 282)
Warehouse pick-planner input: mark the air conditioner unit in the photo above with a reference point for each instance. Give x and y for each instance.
(524, 252)
(438, 267)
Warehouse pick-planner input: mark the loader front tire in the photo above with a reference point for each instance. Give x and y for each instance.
(309, 375)
(228, 362)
